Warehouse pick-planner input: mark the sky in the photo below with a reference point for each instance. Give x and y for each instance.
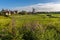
(16, 3)
(11, 4)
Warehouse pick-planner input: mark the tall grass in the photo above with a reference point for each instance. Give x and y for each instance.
(30, 27)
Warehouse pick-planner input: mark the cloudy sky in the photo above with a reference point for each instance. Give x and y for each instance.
(27, 5)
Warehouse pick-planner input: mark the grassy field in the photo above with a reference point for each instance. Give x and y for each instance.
(48, 27)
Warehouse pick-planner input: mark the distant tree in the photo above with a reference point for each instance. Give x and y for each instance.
(16, 11)
(2, 11)
(23, 13)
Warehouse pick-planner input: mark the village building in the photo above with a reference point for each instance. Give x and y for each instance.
(8, 12)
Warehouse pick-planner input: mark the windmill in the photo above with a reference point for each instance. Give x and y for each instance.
(33, 10)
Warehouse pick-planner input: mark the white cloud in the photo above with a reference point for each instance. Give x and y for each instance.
(41, 7)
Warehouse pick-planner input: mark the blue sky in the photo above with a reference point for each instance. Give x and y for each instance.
(18, 3)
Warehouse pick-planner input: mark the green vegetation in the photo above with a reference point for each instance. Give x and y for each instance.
(30, 27)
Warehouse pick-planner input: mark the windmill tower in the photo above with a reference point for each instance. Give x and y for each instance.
(33, 10)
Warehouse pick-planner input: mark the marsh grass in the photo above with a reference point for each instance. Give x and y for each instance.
(30, 27)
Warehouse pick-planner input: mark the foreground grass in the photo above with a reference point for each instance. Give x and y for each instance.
(30, 27)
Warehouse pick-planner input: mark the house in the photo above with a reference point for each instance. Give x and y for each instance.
(5, 12)
(8, 12)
